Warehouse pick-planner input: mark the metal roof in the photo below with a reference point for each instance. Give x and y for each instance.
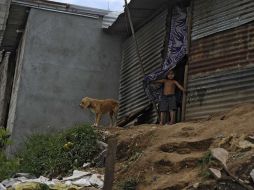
(4, 10)
(17, 12)
(141, 12)
(62, 7)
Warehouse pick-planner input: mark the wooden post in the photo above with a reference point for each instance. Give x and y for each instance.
(186, 70)
(110, 164)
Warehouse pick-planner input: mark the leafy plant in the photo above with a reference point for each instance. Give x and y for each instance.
(56, 154)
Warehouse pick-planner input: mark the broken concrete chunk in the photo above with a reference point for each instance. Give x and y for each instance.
(221, 155)
(252, 174)
(216, 173)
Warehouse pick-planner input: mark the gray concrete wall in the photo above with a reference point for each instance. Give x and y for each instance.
(65, 58)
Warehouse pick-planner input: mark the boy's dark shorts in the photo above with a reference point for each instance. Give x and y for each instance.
(167, 103)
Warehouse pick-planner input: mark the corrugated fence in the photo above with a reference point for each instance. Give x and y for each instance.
(151, 40)
(221, 70)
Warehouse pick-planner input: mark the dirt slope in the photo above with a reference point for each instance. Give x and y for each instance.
(176, 157)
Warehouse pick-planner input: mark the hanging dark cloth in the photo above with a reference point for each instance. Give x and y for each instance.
(177, 49)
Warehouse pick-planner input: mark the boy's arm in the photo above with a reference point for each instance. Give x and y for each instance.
(159, 81)
(180, 87)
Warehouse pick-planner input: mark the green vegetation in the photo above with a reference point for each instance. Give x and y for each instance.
(130, 184)
(204, 163)
(52, 155)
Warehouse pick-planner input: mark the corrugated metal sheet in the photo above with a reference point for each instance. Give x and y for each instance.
(219, 92)
(212, 16)
(231, 48)
(4, 10)
(150, 39)
(109, 19)
(141, 11)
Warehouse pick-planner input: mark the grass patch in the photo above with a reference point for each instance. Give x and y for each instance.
(205, 162)
(130, 184)
(8, 167)
(55, 154)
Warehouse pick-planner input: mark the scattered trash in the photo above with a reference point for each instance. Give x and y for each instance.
(2, 187)
(76, 175)
(78, 180)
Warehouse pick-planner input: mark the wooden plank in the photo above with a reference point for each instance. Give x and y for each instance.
(110, 164)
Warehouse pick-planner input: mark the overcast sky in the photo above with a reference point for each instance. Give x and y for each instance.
(114, 5)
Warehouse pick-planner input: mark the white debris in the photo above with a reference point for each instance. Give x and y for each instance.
(77, 175)
(252, 174)
(86, 165)
(97, 180)
(83, 182)
(2, 187)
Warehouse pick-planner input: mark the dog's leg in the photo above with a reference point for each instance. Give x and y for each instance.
(98, 118)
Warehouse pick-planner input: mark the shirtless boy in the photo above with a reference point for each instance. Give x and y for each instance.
(167, 102)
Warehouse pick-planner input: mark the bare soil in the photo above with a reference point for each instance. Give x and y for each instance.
(175, 157)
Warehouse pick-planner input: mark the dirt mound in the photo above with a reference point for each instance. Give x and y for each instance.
(177, 157)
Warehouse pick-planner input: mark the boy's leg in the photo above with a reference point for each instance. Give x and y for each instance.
(172, 117)
(161, 118)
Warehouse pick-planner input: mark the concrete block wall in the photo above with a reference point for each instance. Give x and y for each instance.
(64, 57)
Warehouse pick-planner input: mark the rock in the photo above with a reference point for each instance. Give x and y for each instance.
(216, 173)
(77, 175)
(221, 155)
(196, 185)
(252, 174)
(245, 145)
(97, 180)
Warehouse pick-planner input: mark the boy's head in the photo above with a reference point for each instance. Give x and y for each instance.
(171, 75)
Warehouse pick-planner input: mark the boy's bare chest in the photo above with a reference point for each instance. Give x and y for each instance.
(169, 84)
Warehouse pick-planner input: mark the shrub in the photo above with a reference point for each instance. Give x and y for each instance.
(7, 167)
(4, 138)
(60, 153)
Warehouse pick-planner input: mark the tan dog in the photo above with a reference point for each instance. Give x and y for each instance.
(100, 107)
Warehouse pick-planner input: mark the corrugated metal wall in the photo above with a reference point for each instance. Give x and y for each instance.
(221, 70)
(212, 16)
(219, 92)
(151, 40)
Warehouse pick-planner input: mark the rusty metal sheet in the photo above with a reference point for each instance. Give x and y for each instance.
(219, 91)
(231, 48)
(213, 16)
